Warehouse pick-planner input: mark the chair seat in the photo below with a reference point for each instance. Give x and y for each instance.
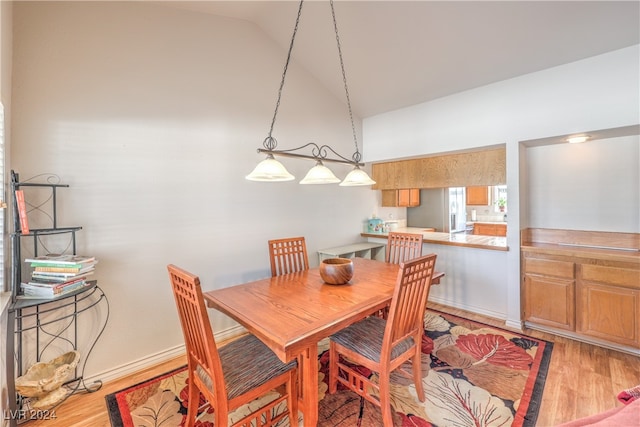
(247, 363)
(365, 338)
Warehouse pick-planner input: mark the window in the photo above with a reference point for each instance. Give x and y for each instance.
(500, 198)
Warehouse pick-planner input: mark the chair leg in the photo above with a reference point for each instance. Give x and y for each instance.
(192, 406)
(417, 373)
(333, 368)
(385, 401)
(292, 401)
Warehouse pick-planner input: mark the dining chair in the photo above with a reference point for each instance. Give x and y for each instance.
(403, 247)
(383, 346)
(234, 374)
(288, 255)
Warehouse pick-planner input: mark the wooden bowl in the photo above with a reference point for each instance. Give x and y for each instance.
(336, 271)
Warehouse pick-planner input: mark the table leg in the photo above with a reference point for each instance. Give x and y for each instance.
(309, 385)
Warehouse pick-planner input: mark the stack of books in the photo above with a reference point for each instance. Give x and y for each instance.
(55, 275)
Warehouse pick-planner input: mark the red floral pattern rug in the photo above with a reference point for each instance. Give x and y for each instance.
(473, 375)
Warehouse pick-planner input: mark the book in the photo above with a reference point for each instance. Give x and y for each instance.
(66, 269)
(72, 272)
(56, 277)
(54, 284)
(31, 290)
(60, 260)
(22, 212)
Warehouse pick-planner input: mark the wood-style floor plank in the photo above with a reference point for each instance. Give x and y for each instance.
(583, 380)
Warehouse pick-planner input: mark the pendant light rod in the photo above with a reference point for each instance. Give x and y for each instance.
(356, 155)
(284, 75)
(317, 153)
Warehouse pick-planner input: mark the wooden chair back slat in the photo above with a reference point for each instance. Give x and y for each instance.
(401, 337)
(409, 301)
(198, 335)
(204, 365)
(288, 255)
(403, 247)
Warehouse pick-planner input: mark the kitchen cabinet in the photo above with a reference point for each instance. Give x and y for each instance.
(478, 168)
(489, 229)
(549, 287)
(581, 288)
(477, 196)
(609, 303)
(401, 198)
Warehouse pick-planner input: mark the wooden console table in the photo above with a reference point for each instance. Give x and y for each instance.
(584, 285)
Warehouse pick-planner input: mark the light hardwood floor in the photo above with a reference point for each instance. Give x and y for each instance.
(583, 380)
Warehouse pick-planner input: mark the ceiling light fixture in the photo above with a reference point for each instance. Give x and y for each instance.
(577, 139)
(272, 170)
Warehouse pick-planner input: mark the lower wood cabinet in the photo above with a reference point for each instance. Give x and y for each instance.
(550, 292)
(609, 304)
(487, 229)
(588, 297)
(409, 197)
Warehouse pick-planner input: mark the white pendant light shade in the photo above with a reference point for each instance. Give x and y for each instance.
(319, 174)
(270, 170)
(357, 177)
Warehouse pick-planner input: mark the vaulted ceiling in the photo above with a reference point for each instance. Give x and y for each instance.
(401, 53)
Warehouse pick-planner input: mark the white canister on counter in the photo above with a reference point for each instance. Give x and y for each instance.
(391, 225)
(473, 215)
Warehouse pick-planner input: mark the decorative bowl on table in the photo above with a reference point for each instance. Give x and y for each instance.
(336, 271)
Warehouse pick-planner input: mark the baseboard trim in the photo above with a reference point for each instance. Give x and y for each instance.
(514, 324)
(472, 309)
(582, 338)
(155, 359)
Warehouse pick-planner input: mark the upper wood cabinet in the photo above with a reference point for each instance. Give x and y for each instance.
(478, 195)
(487, 167)
(401, 198)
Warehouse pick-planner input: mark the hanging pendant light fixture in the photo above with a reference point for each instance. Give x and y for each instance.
(273, 171)
(319, 174)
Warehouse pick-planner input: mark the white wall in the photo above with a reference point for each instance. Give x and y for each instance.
(474, 278)
(596, 93)
(589, 186)
(153, 116)
(601, 92)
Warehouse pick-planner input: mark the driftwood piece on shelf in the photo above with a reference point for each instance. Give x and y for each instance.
(43, 381)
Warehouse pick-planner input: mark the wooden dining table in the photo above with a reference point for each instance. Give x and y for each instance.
(293, 312)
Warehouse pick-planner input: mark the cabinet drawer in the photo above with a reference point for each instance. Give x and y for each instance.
(615, 276)
(549, 267)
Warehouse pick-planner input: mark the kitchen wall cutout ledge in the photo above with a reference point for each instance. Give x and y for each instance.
(452, 239)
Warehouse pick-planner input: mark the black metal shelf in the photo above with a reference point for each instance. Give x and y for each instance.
(45, 231)
(22, 303)
(35, 319)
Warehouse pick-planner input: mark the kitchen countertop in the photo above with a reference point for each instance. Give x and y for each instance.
(455, 239)
(609, 254)
(486, 222)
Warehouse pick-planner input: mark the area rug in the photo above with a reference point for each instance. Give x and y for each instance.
(473, 375)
